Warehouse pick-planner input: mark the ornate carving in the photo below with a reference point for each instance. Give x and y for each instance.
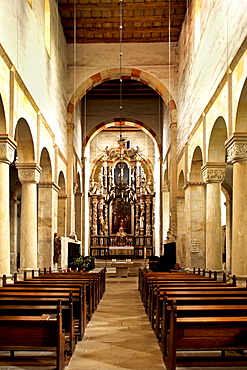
(28, 173)
(7, 150)
(166, 187)
(213, 173)
(237, 152)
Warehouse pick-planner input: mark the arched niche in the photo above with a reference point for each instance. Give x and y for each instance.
(45, 163)
(216, 148)
(241, 117)
(25, 145)
(196, 165)
(180, 192)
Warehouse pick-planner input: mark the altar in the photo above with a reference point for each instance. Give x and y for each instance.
(121, 251)
(122, 268)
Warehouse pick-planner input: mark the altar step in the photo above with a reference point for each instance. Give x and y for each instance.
(111, 271)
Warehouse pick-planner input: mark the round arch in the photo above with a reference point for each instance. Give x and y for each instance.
(124, 122)
(241, 117)
(24, 139)
(216, 147)
(2, 118)
(181, 179)
(127, 73)
(196, 165)
(45, 163)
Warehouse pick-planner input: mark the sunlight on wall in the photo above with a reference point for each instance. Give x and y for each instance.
(48, 26)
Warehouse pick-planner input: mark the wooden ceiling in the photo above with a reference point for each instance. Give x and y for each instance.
(98, 21)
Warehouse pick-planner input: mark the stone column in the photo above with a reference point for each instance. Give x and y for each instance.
(7, 148)
(29, 177)
(47, 222)
(237, 154)
(13, 234)
(194, 254)
(213, 175)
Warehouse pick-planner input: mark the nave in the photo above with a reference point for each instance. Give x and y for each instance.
(119, 335)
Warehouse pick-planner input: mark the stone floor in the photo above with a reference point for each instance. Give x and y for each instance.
(119, 336)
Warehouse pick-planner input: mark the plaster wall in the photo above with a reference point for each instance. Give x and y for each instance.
(89, 59)
(22, 35)
(202, 65)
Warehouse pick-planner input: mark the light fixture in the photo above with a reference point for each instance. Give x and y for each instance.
(121, 191)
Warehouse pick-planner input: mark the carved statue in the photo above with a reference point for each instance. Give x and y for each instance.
(57, 248)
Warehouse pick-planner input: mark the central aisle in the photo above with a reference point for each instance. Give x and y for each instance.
(119, 335)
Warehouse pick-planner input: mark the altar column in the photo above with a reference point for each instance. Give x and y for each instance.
(7, 147)
(237, 154)
(29, 177)
(213, 175)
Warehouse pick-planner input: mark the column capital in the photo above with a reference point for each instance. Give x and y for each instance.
(213, 172)
(189, 184)
(236, 147)
(28, 172)
(7, 149)
(49, 185)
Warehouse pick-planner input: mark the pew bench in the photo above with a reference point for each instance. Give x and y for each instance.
(156, 304)
(205, 334)
(22, 307)
(51, 284)
(49, 297)
(205, 309)
(33, 333)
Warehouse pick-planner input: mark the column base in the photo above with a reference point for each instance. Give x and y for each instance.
(28, 270)
(241, 280)
(9, 279)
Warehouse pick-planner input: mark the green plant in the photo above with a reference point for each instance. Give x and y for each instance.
(85, 263)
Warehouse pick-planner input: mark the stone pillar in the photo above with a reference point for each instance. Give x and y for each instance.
(13, 234)
(194, 208)
(213, 175)
(29, 177)
(7, 148)
(78, 215)
(237, 154)
(173, 179)
(180, 251)
(47, 222)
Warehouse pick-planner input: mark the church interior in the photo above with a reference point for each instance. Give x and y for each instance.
(123, 136)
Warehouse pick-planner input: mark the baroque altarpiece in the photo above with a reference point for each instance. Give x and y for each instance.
(121, 194)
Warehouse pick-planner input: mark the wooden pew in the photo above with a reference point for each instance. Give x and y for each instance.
(49, 295)
(150, 278)
(56, 286)
(32, 333)
(211, 292)
(205, 334)
(152, 301)
(95, 283)
(20, 306)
